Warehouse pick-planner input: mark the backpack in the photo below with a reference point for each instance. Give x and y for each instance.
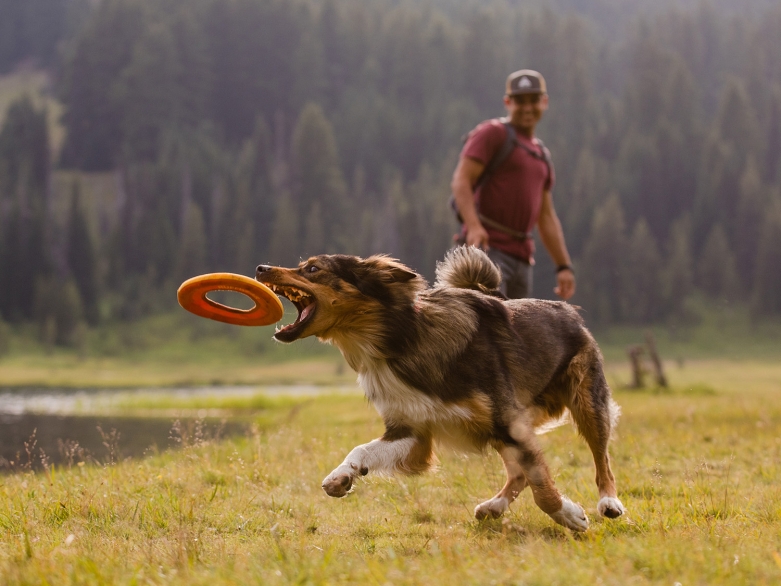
(510, 142)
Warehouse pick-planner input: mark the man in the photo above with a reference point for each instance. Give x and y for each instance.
(499, 213)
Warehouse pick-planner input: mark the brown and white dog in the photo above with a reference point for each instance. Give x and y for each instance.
(456, 364)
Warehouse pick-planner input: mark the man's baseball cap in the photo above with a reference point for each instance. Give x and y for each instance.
(525, 81)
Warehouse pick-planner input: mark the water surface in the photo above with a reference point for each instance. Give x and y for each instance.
(46, 426)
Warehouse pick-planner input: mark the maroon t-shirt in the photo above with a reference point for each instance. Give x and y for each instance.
(512, 195)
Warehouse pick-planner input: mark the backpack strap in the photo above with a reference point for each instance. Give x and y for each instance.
(510, 142)
(543, 154)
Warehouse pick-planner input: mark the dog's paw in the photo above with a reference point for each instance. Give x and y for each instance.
(493, 508)
(339, 482)
(571, 515)
(610, 507)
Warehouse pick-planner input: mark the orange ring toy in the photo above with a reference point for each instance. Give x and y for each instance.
(192, 296)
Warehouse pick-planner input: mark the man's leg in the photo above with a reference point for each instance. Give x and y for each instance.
(520, 285)
(516, 274)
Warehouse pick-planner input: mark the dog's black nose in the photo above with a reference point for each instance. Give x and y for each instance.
(262, 269)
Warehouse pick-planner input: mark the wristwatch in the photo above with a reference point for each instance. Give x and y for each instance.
(565, 268)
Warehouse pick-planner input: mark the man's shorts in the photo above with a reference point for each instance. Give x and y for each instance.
(516, 274)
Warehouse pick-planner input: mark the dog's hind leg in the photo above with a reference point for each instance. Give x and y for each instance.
(521, 449)
(595, 414)
(396, 451)
(516, 482)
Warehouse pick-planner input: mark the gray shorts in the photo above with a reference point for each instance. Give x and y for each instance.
(516, 274)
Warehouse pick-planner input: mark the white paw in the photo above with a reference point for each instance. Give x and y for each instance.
(610, 507)
(339, 482)
(571, 515)
(493, 508)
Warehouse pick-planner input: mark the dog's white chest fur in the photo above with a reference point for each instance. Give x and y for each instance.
(398, 402)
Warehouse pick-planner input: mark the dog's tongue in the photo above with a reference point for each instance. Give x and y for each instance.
(306, 311)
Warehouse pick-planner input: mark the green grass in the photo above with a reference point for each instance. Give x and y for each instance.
(697, 468)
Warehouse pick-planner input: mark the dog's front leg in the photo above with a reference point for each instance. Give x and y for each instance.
(388, 454)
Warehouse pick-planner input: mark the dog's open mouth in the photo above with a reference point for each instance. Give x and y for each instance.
(305, 304)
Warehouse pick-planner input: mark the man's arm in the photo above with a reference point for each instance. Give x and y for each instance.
(465, 177)
(552, 237)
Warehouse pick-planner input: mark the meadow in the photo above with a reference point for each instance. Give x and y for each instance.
(697, 467)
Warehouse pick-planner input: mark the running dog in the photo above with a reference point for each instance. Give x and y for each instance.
(456, 364)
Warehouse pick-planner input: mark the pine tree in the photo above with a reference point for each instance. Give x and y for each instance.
(588, 185)
(752, 205)
(191, 256)
(102, 49)
(148, 94)
(717, 272)
(732, 141)
(678, 278)
(24, 182)
(773, 141)
(58, 309)
(318, 177)
(604, 262)
(766, 298)
(24, 153)
(285, 244)
(641, 298)
(314, 235)
(81, 256)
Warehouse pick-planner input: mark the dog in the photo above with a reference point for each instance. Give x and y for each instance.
(456, 364)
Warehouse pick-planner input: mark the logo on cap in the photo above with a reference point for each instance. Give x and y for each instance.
(525, 82)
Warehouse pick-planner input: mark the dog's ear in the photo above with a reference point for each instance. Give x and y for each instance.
(373, 275)
(387, 269)
(399, 274)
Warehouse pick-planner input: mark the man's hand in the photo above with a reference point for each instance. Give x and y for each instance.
(565, 287)
(477, 236)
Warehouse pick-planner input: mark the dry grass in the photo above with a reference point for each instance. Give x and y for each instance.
(697, 468)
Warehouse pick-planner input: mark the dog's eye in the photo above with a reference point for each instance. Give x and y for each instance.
(312, 269)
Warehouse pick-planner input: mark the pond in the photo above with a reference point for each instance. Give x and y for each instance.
(60, 426)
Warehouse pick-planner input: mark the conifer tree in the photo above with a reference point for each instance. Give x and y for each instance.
(285, 245)
(773, 141)
(318, 178)
(148, 94)
(24, 182)
(766, 299)
(717, 272)
(314, 235)
(156, 243)
(191, 257)
(678, 278)
(82, 259)
(731, 142)
(102, 49)
(752, 206)
(604, 262)
(641, 297)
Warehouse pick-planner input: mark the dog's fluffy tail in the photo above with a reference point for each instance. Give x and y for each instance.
(467, 267)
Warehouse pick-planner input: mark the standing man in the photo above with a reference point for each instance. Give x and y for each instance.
(499, 210)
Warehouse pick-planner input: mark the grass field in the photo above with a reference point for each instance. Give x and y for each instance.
(697, 467)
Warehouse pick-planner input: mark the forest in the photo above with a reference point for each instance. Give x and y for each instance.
(235, 132)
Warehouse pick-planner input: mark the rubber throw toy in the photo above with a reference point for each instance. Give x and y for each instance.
(192, 296)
